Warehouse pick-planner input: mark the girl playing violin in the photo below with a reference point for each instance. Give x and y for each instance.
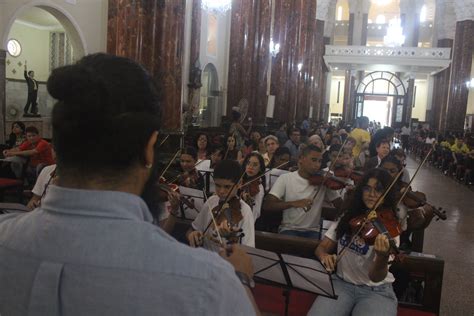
(226, 175)
(190, 177)
(253, 193)
(362, 280)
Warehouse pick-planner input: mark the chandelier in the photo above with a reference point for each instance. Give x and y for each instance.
(216, 6)
(394, 36)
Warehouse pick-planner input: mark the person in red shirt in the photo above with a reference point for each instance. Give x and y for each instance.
(37, 149)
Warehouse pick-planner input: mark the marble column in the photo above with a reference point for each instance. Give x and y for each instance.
(410, 100)
(3, 104)
(152, 33)
(463, 49)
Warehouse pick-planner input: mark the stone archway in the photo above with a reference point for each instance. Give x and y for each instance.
(382, 83)
(65, 19)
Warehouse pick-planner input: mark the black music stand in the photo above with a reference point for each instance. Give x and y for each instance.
(196, 197)
(291, 272)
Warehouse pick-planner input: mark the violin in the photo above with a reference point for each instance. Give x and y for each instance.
(164, 188)
(331, 182)
(385, 221)
(416, 199)
(189, 179)
(355, 175)
(250, 191)
(229, 214)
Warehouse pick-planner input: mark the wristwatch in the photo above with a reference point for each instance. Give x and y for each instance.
(245, 279)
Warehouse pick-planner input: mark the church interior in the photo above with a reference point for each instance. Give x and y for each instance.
(367, 88)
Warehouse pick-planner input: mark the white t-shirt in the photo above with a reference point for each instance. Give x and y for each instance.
(430, 140)
(246, 224)
(354, 265)
(406, 131)
(292, 187)
(272, 176)
(257, 208)
(43, 179)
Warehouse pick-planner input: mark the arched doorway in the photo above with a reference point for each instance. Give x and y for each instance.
(209, 110)
(375, 89)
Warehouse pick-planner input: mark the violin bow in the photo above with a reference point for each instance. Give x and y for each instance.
(263, 174)
(369, 216)
(413, 178)
(169, 164)
(226, 200)
(164, 140)
(214, 221)
(177, 177)
(326, 176)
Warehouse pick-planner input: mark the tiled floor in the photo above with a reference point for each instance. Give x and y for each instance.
(453, 239)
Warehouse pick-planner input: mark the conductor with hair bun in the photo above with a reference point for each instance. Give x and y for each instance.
(91, 248)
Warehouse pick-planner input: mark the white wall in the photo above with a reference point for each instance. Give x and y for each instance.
(221, 59)
(88, 17)
(421, 101)
(34, 48)
(334, 106)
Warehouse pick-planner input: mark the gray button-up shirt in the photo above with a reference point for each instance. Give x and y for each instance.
(97, 253)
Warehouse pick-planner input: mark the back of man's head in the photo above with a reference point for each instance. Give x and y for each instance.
(106, 112)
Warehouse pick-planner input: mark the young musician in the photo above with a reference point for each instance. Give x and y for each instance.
(226, 177)
(253, 193)
(281, 155)
(362, 281)
(293, 194)
(190, 177)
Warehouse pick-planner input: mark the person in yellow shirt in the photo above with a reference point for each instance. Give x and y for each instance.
(360, 134)
(459, 147)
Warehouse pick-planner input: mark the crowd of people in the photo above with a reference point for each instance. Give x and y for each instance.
(95, 224)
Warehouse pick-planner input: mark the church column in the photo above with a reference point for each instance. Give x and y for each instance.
(445, 25)
(2, 94)
(409, 106)
(359, 15)
(463, 48)
(410, 17)
(152, 33)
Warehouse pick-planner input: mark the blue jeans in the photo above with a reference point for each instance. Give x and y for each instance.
(302, 233)
(357, 300)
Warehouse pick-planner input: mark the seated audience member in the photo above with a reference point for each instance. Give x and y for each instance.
(281, 159)
(189, 177)
(253, 193)
(231, 151)
(383, 149)
(293, 194)
(46, 177)
(17, 136)
(362, 281)
(202, 146)
(384, 133)
(316, 141)
(271, 145)
(217, 155)
(293, 144)
(91, 247)
(37, 149)
(226, 175)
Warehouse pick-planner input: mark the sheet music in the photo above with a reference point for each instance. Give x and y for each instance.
(195, 196)
(272, 176)
(304, 274)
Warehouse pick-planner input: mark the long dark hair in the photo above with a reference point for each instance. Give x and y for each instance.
(356, 205)
(279, 152)
(246, 178)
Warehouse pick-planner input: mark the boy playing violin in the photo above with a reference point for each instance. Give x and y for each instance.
(235, 217)
(293, 194)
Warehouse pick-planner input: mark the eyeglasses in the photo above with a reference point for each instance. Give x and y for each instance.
(377, 190)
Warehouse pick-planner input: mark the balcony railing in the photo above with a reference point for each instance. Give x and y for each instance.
(395, 52)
